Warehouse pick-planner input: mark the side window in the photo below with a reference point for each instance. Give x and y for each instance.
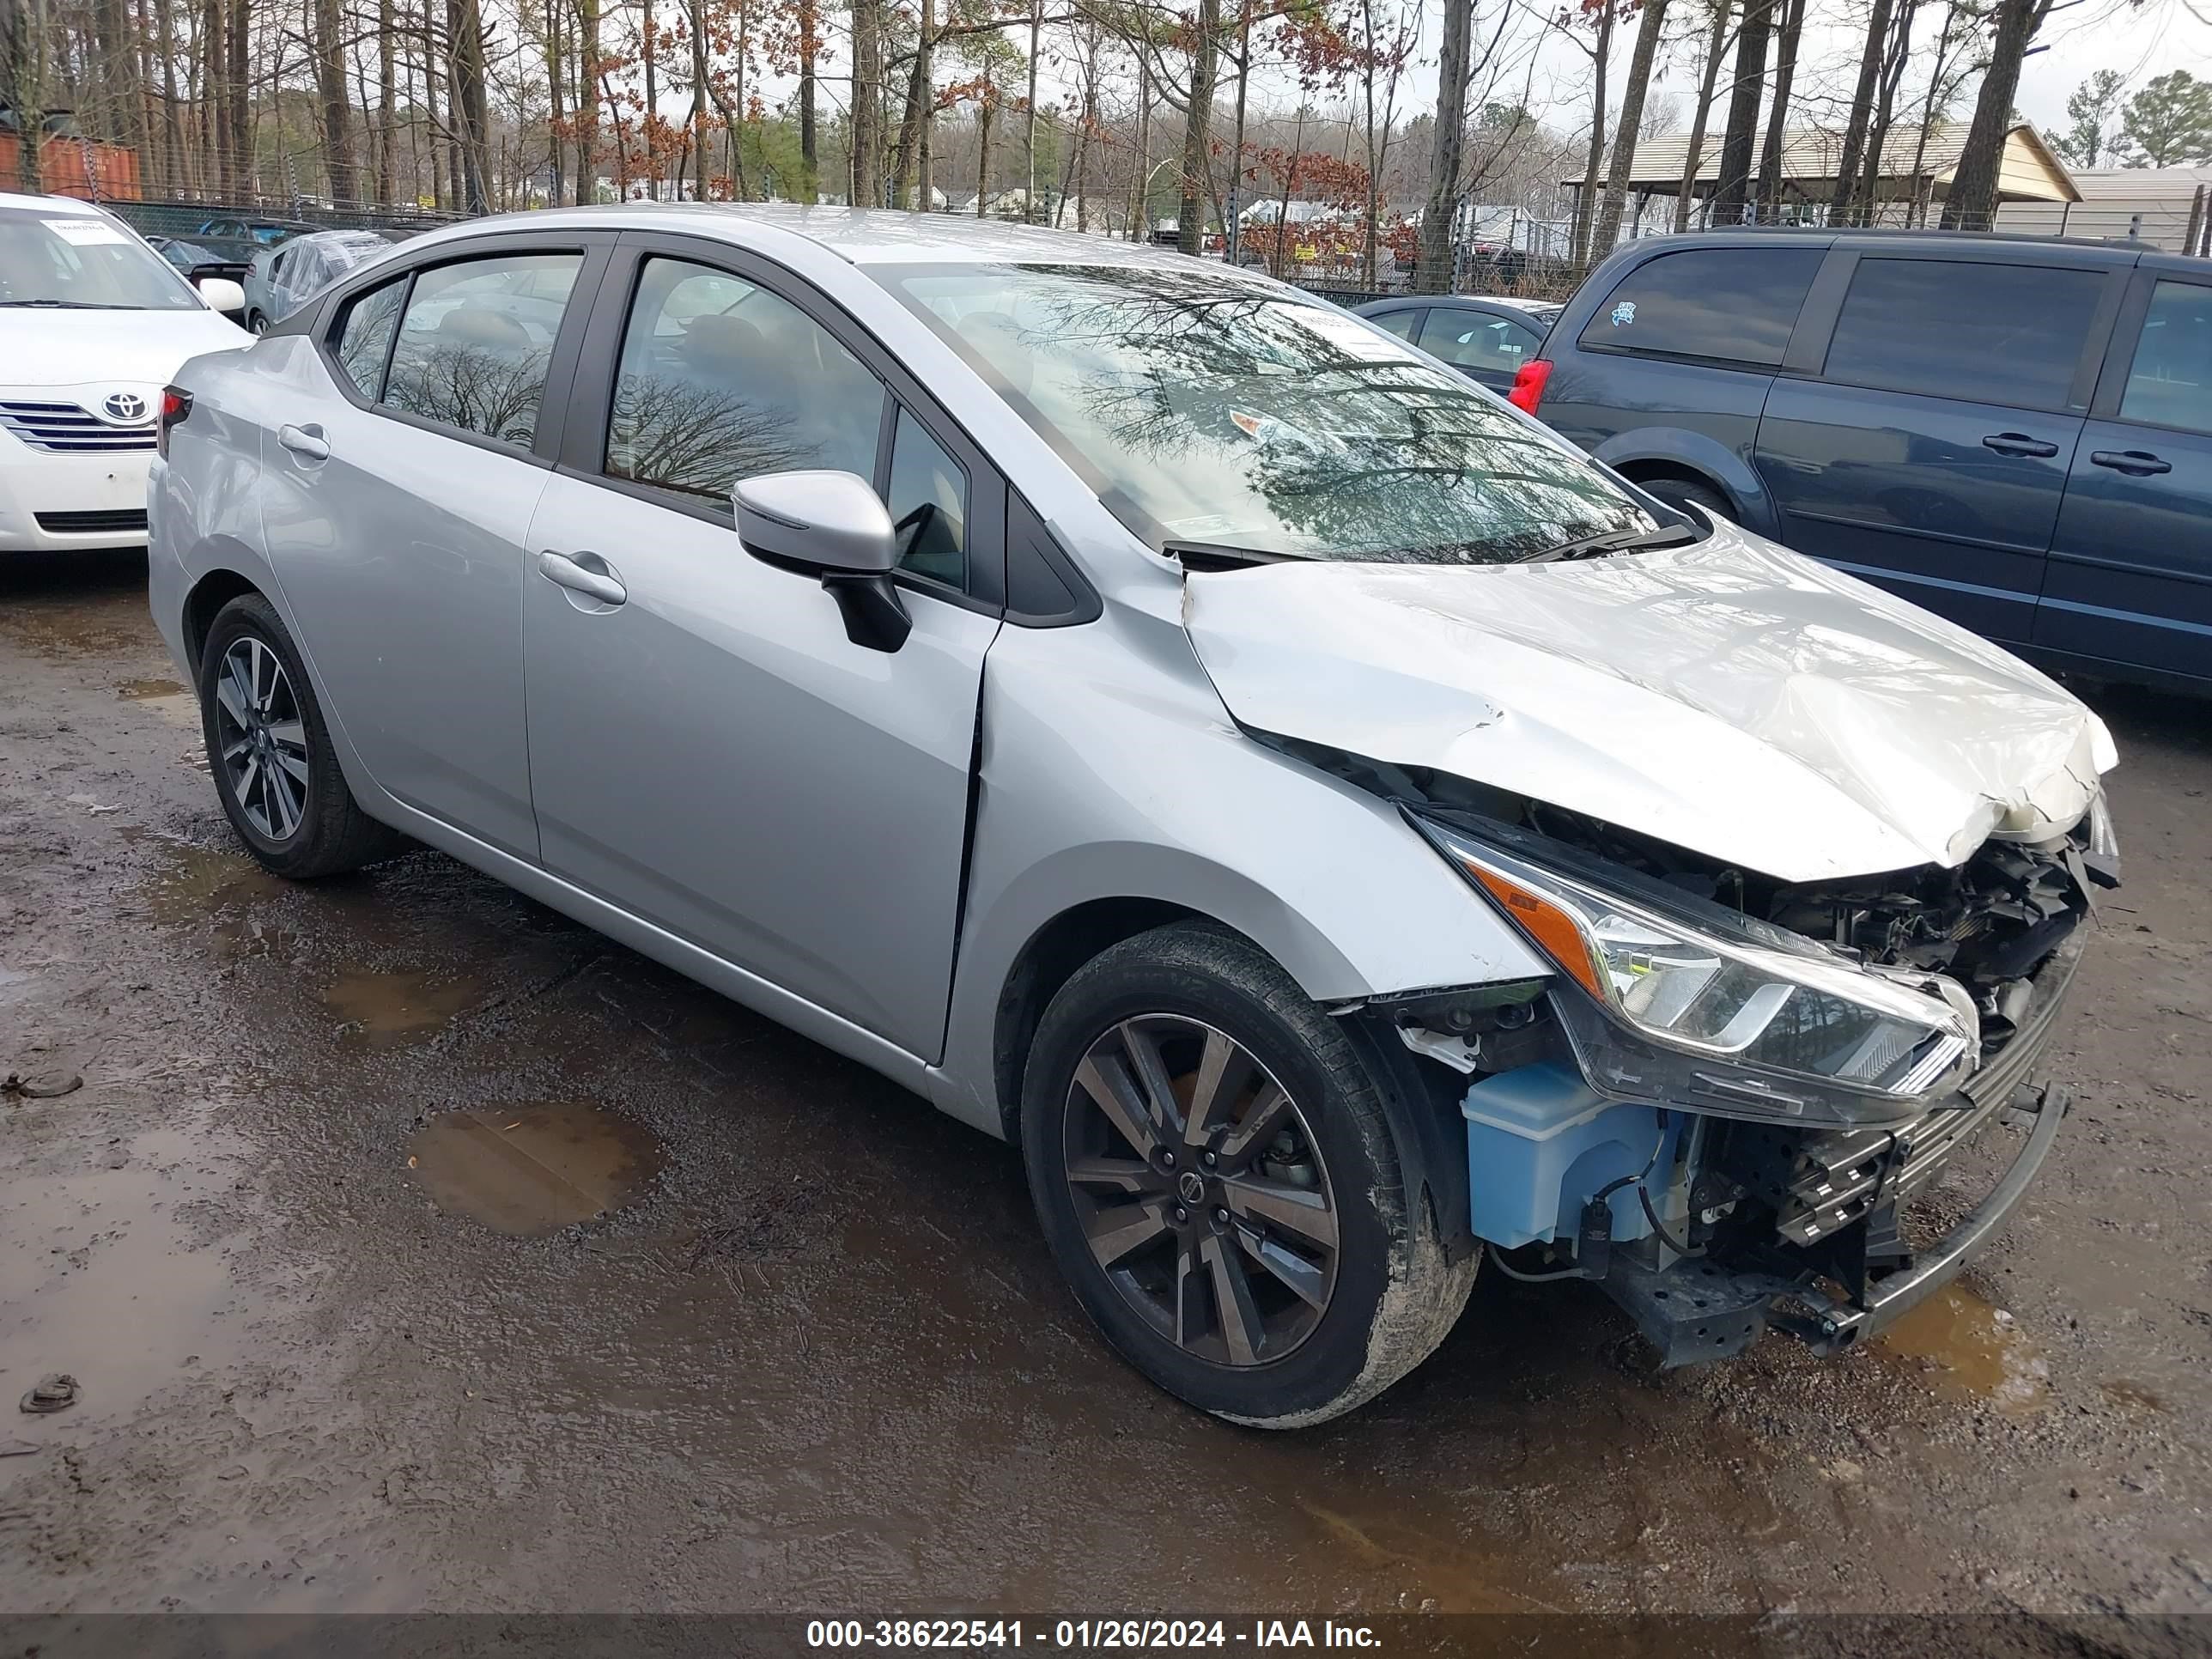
(2170, 382)
(364, 337)
(473, 347)
(1733, 305)
(1400, 323)
(1468, 339)
(1954, 328)
(720, 380)
(928, 503)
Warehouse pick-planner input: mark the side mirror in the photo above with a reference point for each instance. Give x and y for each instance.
(224, 294)
(832, 526)
(824, 523)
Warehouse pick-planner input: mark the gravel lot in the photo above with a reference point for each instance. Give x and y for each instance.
(315, 1237)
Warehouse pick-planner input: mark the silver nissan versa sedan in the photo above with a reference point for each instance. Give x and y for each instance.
(1333, 826)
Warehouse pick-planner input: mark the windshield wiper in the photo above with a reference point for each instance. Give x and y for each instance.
(1617, 541)
(67, 305)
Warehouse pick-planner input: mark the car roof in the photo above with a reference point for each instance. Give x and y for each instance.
(48, 204)
(346, 238)
(1931, 241)
(861, 236)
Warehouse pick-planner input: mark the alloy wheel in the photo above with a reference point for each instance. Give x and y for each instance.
(261, 739)
(1201, 1190)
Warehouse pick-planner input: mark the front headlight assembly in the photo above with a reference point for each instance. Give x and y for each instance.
(1692, 1005)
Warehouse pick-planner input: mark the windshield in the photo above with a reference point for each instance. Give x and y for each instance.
(1210, 412)
(53, 257)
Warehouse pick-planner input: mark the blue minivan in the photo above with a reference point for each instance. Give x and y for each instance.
(2014, 432)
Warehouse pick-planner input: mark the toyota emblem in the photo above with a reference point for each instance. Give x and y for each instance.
(124, 408)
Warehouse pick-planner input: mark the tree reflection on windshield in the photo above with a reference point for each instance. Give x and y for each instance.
(1206, 409)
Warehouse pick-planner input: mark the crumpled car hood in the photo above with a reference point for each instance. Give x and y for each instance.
(1729, 697)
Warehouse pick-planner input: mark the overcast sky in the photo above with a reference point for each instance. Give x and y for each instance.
(2139, 40)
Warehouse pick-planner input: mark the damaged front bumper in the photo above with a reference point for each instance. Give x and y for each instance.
(1821, 1254)
(1698, 1308)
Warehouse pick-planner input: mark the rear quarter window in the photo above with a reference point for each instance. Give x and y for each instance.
(1734, 304)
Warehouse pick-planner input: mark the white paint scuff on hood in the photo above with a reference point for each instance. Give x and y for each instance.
(1729, 697)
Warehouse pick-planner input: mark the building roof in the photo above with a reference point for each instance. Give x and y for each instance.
(2030, 171)
(2152, 204)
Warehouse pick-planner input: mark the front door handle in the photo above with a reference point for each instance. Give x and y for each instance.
(2019, 443)
(2136, 462)
(307, 442)
(580, 578)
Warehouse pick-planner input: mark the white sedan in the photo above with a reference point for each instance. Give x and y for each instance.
(93, 324)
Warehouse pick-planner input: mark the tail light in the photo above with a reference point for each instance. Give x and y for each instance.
(1528, 381)
(176, 404)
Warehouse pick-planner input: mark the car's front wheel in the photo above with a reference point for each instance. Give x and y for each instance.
(275, 771)
(1216, 1165)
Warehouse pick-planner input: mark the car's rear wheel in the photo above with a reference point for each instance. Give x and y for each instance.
(1215, 1164)
(1688, 492)
(256, 323)
(275, 771)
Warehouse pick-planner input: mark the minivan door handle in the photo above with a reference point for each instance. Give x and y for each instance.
(2136, 462)
(2019, 443)
(580, 578)
(307, 442)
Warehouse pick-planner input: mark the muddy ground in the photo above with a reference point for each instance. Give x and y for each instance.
(417, 1248)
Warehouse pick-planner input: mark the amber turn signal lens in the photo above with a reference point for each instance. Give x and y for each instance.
(1552, 928)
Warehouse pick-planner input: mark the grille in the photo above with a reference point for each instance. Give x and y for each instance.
(70, 429)
(79, 523)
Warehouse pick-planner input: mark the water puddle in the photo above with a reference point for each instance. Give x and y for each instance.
(206, 881)
(400, 1003)
(1972, 1351)
(147, 689)
(535, 1169)
(101, 1280)
(1448, 1576)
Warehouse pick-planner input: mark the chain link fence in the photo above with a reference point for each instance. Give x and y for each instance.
(184, 217)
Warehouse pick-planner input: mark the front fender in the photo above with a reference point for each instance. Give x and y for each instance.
(1680, 449)
(1102, 781)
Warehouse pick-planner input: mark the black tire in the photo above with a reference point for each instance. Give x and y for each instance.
(1392, 1294)
(1687, 492)
(256, 323)
(330, 833)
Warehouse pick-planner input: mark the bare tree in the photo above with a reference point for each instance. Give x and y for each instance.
(1972, 200)
(1733, 188)
(1433, 273)
(865, 116)
(1773, 162)
(1198, 131)
(1600, 53)
(1861, 112)
(336, 108)
(1709, 81)
(1630, 124)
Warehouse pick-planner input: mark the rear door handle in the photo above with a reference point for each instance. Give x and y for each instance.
(307, 442)
(2138, 463)
(2019, 443)
(569, 573)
